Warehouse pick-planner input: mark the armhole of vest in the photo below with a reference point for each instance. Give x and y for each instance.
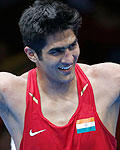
(90, 87)
(30, 73)
(27, 94)
(94, 105)
(27, 89)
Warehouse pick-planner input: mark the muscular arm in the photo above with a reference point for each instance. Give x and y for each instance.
(119, 79)
(1, 101)
(109, 76)
(9, 84)
(12, 92)
(2, 98)
(5, 79)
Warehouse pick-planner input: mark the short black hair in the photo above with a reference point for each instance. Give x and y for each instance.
(46, 17)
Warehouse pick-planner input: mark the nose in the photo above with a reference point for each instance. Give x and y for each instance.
(67, 57)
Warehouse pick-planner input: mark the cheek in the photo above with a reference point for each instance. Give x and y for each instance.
(78, 49)
(76, 53)
(50, 65)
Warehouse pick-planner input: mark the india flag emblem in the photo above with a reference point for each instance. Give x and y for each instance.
(85, 125)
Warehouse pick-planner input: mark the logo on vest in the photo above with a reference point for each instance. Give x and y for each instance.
(35, 133)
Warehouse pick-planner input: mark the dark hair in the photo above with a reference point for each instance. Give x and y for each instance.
(46, 17)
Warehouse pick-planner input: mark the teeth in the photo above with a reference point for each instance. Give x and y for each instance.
(65, 68)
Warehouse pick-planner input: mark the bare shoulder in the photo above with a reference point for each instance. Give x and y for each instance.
(10, 80)
(103, 74)
(108, 71)
(111, 69)
(84, 67)
(102, 69)
(10, 83)
(24, 75)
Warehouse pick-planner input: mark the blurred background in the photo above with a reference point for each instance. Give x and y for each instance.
(99, 40)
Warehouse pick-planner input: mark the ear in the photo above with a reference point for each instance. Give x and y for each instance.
(31, 54)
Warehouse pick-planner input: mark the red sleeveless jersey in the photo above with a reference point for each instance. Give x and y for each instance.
(84, 131)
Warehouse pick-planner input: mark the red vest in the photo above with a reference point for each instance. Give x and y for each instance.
(84, 131)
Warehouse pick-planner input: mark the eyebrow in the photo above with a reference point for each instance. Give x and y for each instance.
(64, 47)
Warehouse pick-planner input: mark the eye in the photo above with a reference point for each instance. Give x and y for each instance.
(56, 51)
(73, 46)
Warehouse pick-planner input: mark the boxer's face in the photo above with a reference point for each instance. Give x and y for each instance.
(59, 56)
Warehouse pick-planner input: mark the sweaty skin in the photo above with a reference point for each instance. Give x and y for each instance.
(55, 74)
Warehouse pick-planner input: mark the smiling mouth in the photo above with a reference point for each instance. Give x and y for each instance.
(68, 68)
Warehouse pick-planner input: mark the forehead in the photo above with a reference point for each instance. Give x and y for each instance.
(60, 39)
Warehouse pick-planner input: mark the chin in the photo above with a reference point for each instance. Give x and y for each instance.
(67, 79)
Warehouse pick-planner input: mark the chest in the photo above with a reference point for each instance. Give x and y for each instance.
(59, 111)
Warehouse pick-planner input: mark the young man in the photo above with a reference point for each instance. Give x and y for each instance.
(59, 105)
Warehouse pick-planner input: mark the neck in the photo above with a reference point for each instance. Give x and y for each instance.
(51, 87)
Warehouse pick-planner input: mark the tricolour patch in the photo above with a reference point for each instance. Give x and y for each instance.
(85, 125)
